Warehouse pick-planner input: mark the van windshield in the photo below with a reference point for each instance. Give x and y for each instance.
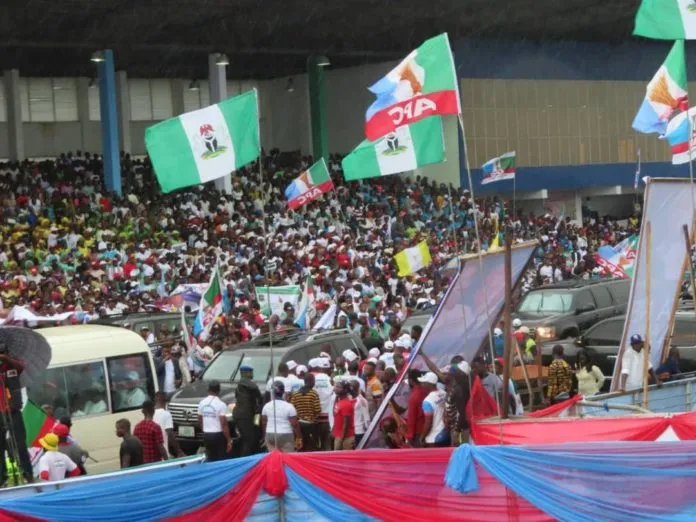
(550, 301)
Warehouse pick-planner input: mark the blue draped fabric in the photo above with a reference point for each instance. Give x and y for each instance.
(612, 481)
(142, 497)
(324, 504)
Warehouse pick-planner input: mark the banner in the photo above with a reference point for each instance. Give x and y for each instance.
(272, 299)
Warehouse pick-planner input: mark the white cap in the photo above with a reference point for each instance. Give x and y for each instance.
(516, 323)
(314, 363)
(324, 362)
(497, 332)
(301, 368)
(429, 378)
(388, 358)
(325, 355)
(374, 352)
(372, 360)
(349, 355)
(291, 365)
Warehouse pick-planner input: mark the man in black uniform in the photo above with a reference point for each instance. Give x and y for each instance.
(11, 414)
(247, 412)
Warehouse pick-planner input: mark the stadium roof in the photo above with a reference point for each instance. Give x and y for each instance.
(272, 38)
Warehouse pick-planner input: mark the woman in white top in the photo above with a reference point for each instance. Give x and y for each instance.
(279, 422)
(590, 377)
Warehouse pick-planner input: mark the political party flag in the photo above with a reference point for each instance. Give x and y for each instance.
(273, 299)
(408, 147)
(620, 259)
(666, 19)
(206, 144)
(309, 185)
(665, 95)
(422, 85)
(680, 136)
(326, 321)
(411, 260)
(210, 307)
(36, 423)
(500, 168)
(306, 308)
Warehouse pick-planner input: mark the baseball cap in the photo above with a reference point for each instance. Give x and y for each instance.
(429, 378)
(516, 323)
(372, 361)
(524, 330)
(61, 430)
(246, 368)
(497, 332)
(374, 352)
(636, 339)
(325, 355)
(349, 355)
(291, 365)
(301, 368)
(389, 346)
(313, 363)
(324, 363)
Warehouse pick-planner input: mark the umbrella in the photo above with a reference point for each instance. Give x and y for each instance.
(31, 348)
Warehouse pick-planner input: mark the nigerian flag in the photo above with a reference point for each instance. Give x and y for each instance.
(206, 144)
(408, 147)
(666, 19)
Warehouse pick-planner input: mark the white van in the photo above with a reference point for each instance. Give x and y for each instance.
(97, 375)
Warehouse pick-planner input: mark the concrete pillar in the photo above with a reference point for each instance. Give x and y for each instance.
(578, 206)
(83, 110)
(217, 80)
(15, 133)
(177, 87)
(124, 110)
(109, 123)
(317, 109)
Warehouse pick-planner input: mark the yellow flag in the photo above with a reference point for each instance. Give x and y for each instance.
(412, 259)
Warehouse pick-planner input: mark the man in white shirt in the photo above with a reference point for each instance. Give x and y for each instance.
(320, 367)
(361, 418)
(435, 433)
(632, 366)
(54, 465)
(213, 420)
(164, 419)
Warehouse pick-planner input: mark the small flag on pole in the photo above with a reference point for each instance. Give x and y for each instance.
(36, 423)
(210, 307)
(637, 178)
(499, 169)
(422, 85)
(206, 144)
(411, 260)
(666, 19)
(665, 95)
(309, 185)
(408, 147)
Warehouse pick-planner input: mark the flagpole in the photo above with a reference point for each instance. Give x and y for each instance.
(514, 206)
(478, 250)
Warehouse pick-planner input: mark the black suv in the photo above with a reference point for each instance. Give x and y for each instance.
(565, 310)
(262, 354)
(603, 339)
(153, 320)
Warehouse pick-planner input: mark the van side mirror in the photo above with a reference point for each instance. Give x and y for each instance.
(579, 341)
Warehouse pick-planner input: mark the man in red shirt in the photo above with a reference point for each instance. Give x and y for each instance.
(150, 435)
(415, 419)
(344, 411)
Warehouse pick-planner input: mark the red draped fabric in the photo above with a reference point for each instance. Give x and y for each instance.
(481, 405)
(556, 409)
(10, 516)
(410, 485)
(684, 426)
(569, 430)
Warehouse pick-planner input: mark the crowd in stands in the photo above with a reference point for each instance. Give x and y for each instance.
(69, 245)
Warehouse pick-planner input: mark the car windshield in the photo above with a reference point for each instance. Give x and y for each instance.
(224, 367)
(260, 362)
(549, 301)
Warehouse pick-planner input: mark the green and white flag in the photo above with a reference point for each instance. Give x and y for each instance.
(666, 19)
(273, 299)
(407, 148)
(206, 144)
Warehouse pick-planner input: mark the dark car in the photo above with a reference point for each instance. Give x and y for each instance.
(262, 354)
(153, 320)
(567, 309)
(419, 318)
(603, 339)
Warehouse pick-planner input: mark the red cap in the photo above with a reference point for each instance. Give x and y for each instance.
(61, 430)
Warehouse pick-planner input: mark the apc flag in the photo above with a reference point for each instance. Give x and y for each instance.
(407, 148)
(411, 260)
(309, 185)
(422, 85)
(665, 95)
(679, 130)
(206, 144)
(666, 19)
(499, 169)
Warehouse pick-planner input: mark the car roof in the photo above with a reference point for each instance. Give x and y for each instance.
(291, 338)
(573, 284)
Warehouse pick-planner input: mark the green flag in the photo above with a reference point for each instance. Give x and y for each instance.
(407, 148)
(666, 19)
(206, 144)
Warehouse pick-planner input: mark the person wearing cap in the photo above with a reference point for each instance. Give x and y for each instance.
(147, 335)
(526, 343)
(133, 396)
(498, 342)
(279, 427)
(632, 367)
(434, 430)
(247, 411)
(343, 414)
(324, 388)
(212, 418)
(69, 447)
(308, 406)
(374, 393)
(292, 381)
(54, 465)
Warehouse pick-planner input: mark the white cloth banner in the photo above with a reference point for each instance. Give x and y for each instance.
(326, 322)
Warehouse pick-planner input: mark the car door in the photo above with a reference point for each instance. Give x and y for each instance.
(605, 303)
(586, 310)
(602, 343)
